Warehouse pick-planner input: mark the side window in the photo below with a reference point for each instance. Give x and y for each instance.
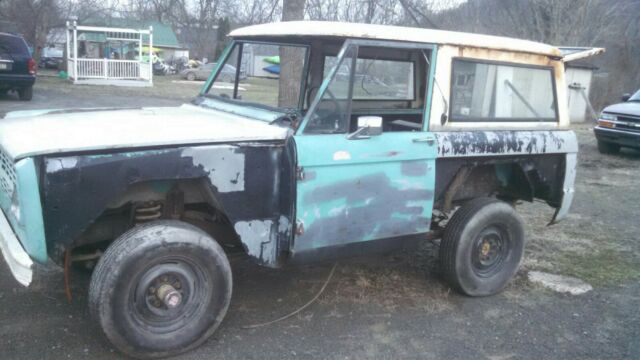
(331, 115)
(377, 79)
(496, 92)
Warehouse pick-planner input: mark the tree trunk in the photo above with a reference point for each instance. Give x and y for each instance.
(291, 59)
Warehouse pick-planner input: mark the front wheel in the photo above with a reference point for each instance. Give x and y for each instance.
(482, 247)
(161, 289)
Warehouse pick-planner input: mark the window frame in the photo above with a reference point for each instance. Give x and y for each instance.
(481, 120)
(222, 61)
(425, 109)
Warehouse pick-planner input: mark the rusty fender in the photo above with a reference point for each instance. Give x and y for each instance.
(253, 182)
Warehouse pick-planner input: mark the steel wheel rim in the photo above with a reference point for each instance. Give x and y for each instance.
(183, 275)
(491, 247)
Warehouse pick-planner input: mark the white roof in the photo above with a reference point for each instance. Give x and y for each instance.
(396, 33)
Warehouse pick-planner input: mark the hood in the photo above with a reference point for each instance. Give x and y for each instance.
(69, 131)
(626, 108)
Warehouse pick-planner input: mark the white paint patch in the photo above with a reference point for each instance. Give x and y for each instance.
(58, 164)
(224, 165)
(284, 225)
(560, 283)
(23, 136)
(256, 236)
(341, 155)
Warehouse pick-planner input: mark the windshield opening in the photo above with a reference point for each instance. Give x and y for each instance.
(262, 74)
(635, 97)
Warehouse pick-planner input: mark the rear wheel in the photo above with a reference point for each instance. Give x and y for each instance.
(608, 148)
(482, 247)
(161, 289)
(25, 94)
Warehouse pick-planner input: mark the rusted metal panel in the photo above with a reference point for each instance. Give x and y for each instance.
(252, 181)
(507, 142)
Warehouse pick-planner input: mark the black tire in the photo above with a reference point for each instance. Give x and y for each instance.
(125, 286)
(482, 247)
(191, 76)
(608, 148)
(25, 94)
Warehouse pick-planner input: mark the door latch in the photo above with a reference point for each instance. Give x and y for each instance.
(430, 140)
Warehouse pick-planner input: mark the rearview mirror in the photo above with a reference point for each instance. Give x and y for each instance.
(626, 97)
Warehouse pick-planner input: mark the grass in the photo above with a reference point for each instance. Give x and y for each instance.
(601, 267)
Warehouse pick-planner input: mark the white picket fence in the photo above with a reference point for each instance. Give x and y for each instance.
(108, 69)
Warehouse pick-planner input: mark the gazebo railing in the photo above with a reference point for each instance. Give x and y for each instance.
(82, 68)
(108, 69)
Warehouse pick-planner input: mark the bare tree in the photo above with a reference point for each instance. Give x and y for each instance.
(290, 59)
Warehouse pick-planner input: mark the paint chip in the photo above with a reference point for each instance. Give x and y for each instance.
(341, 155)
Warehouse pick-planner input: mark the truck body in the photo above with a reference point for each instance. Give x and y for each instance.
(369, 137)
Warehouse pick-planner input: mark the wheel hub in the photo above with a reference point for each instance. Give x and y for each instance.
(169, 296)
(490, 250)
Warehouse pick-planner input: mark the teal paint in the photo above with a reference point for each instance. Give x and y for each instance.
(429, 94)
(245, 110)
(362, 190)
(25, 214)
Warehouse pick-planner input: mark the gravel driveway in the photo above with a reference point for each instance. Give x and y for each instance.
(388, 307)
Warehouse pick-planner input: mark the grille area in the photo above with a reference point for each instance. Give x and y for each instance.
(632, 123)
(7, 175)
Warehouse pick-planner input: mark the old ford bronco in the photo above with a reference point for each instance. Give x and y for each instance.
(357, 138)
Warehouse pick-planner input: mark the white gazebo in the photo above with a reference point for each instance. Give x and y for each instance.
(109, 56)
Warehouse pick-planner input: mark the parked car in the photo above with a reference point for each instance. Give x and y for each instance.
(291, 170)
(17, 67)
(619, 125)
(202, 72)
(50, 63)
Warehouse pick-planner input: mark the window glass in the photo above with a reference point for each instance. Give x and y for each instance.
(269, 75)
(377, 79)
(492, 92)
(11, 46)
(331, 115)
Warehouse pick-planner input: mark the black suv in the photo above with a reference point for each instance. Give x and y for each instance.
(619, 125)
(17, 67)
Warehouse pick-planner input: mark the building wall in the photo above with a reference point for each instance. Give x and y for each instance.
(578, 109)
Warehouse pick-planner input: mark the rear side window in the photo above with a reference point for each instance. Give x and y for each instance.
(497, 92)
(12, 46)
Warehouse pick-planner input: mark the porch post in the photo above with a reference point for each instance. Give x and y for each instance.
(139, 55)
(75, 51)
(67, 47)
(150, 57)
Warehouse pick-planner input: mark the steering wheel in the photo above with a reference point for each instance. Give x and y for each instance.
(331, 120)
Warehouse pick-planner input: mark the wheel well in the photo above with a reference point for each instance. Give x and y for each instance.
(189, 200)
(522, 178)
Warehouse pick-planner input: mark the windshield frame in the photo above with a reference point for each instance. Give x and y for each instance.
(635, 96)
(222, 60)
